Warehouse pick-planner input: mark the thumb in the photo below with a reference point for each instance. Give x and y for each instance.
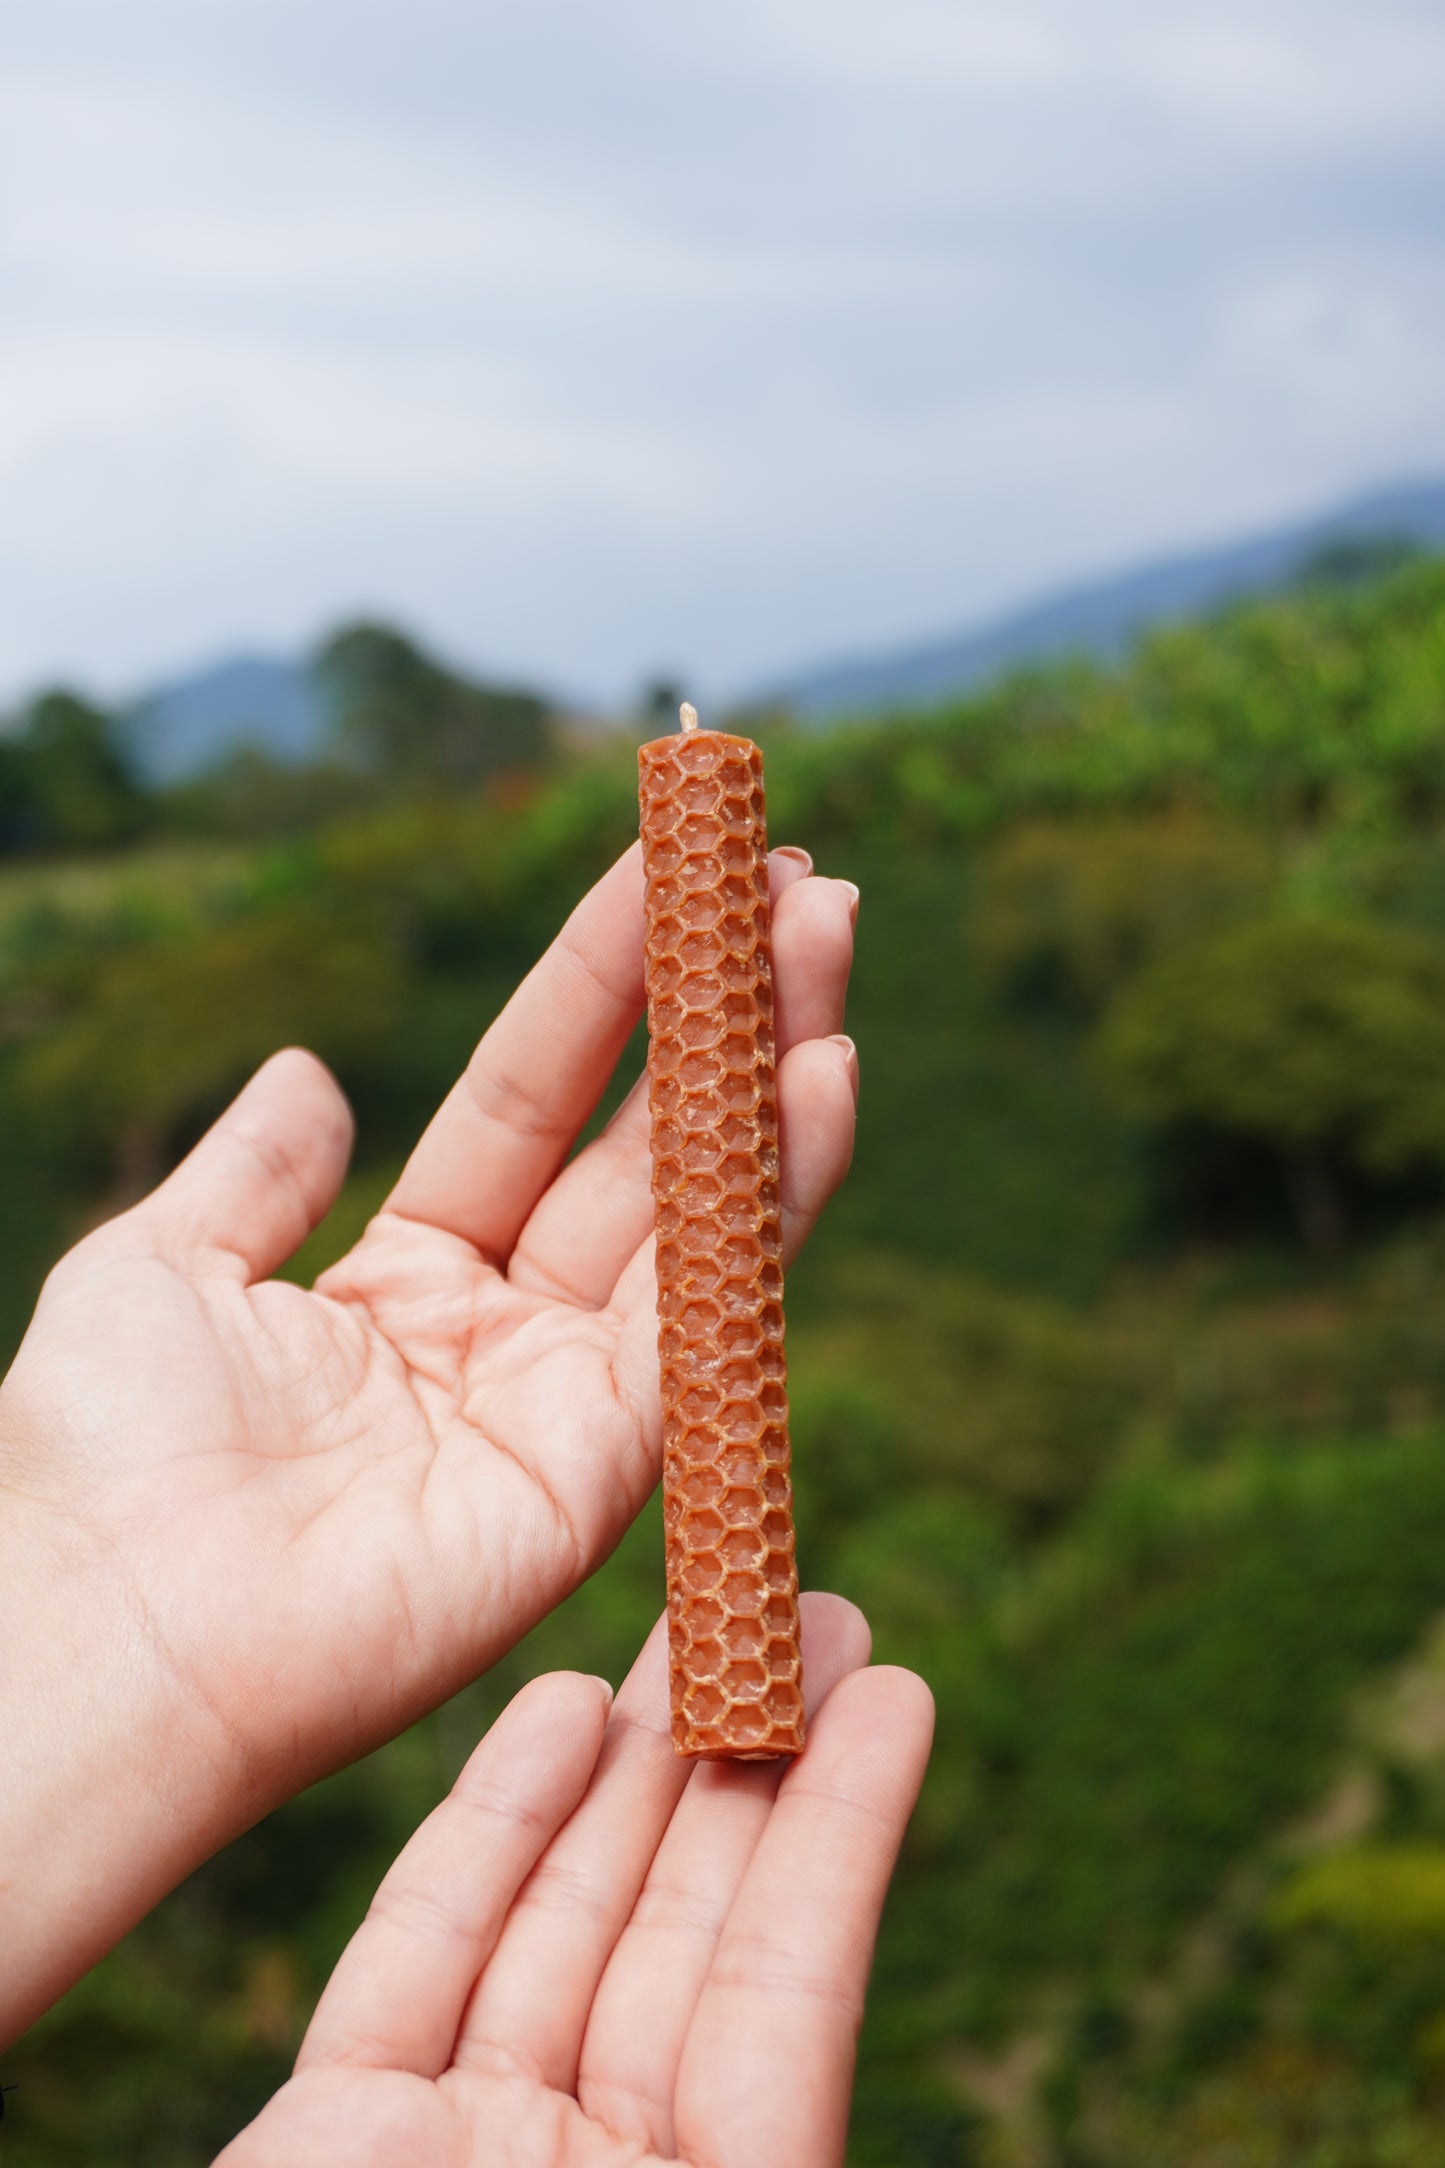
(264, 1175)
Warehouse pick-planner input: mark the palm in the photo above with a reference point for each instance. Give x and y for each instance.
(375, 1475)
(590, 1954)
(371, 1489)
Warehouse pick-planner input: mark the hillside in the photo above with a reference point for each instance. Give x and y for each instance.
(1118, 1369)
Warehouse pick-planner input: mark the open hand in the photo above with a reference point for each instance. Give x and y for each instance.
(591, 1953)
(251, 1530)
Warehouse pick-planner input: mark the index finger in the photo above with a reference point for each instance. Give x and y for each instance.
(508, 1123)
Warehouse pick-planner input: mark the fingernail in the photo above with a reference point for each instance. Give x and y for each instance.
(798, 857)
(852, 888)
(850, 1056)
(606, 1686)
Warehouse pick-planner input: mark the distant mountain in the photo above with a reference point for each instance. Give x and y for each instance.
(277, 706)
(1103, 617)
(257, 701)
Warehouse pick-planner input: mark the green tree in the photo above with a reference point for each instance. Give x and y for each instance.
(1069, 909)
(164, 1031)
(66, 778)
(17, 812)
(404, 715)
(1323, 1042)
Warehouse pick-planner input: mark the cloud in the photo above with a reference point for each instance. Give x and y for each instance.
(591, 339)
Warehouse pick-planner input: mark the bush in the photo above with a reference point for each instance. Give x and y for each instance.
(66, 780)
(1069, 910)
(1386, 1894)
(166, 1031)
(1323, 1042)
(1009, 1399)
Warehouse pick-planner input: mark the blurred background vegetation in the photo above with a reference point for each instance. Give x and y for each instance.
(1119, 1369)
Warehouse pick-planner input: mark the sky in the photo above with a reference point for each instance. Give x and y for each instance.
(593, 342)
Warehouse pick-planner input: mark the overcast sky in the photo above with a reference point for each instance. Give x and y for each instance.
(597, 337)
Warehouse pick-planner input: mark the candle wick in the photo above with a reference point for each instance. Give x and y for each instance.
(687, 715)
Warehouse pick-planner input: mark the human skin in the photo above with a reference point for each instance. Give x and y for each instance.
(248, 1531)
(594, 1952)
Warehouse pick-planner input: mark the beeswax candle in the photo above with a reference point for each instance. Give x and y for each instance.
(732, 1582)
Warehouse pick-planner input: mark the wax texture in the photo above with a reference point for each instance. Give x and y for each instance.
(732, 1582)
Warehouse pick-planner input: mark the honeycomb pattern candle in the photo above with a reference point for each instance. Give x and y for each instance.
(732, 1582)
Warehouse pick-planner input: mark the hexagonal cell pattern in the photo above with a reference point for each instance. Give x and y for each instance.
(732, 1581)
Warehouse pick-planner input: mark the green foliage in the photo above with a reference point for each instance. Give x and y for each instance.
(1281, 2107)
(249, 794)
(1334, 2041)
(1323, 1041)
(1176, 1708)
(971, 1155)
(170, 1029)
(1382, 1894)
(1295, 1033)
(435, 869)
(1010, 1398)
(1070, 910)
(913, 2119)
(65, 778)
